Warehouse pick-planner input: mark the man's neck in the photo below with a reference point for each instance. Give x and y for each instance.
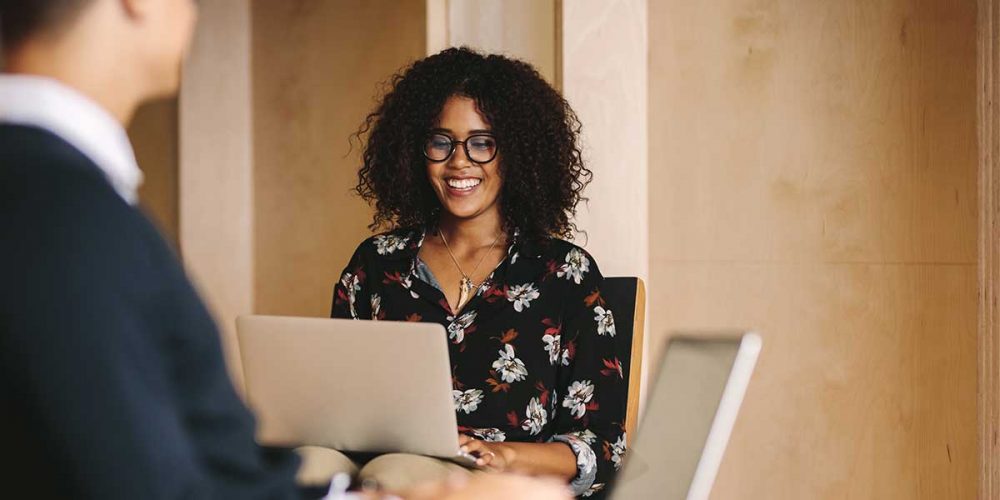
(95, 76)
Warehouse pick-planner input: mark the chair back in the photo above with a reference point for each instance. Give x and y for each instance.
(626, 298)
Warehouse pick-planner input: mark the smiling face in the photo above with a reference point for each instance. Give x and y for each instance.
(465, 188)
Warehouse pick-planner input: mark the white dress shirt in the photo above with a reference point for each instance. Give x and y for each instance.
(48, 104)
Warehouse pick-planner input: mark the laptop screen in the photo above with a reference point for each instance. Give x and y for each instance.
(682, 407)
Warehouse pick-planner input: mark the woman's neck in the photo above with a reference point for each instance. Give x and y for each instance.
(470, 233)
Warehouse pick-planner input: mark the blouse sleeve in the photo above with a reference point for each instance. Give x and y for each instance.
(352, 295)
(591, 391)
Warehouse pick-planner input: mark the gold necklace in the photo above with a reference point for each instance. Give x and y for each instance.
(466, 286)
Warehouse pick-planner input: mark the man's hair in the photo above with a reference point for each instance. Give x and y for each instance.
(20, 19)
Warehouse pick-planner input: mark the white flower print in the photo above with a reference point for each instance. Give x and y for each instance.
(580, 393)
(537, 417)
(605, 321)
(388, 243)
(577, 264)
(457, 327)
(407, 283)
(552, 346)
(376, 302)
(467, 401)
(492, 434)
(586, 462)
(522, 295)
(510, 368)
(353, 285)
(586, 436)
(618, 451)
(593, 489)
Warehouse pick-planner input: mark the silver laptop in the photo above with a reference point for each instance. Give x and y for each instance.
(365, 386)
(690, 414)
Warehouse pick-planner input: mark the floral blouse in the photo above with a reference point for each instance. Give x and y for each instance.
(532, 353)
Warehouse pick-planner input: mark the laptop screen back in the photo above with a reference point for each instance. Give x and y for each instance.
(683, 404)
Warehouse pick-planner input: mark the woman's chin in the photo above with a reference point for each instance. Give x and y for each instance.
(464, 211)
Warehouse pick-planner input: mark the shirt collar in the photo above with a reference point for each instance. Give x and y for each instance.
(413, 238)
(48, 104)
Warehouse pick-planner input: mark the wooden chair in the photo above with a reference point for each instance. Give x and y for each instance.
(626, 298)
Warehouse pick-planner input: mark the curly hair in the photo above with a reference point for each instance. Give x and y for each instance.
(536, 132)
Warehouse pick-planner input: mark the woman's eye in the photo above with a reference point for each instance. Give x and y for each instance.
(482, 143)
(437, 143)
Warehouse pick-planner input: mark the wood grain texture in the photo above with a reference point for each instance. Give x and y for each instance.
(989, 247)
(604, 78)
(154, 135)
(215, 171)
(813, 176)
(317, 69)
(636, 366)
(525, 29)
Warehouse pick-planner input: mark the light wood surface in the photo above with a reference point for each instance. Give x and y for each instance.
(153, 133)
(635, 390)
(317, 67)
(216, 171)
(989, 247)
(813, 177)
(604, 78)
(525, 29)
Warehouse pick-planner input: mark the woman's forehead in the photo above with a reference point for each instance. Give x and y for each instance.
(461, 114)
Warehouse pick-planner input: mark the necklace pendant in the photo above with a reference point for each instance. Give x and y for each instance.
(464, 289)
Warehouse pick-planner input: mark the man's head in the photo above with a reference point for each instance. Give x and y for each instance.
(144, 40)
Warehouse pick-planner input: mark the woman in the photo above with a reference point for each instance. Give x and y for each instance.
(472, 163)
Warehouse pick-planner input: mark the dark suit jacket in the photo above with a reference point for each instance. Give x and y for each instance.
(112, 379)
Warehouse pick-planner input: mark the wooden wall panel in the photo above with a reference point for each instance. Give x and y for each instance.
(525, 29)
(604, 78)
(154, 136)
(215, 170)
(317, 67)
(813, 175)
(989, 247)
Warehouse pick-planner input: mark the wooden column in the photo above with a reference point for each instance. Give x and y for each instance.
(604, 61)
(988, 78)
(216, 171)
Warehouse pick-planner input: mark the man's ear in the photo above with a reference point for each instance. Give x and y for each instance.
(136, 9)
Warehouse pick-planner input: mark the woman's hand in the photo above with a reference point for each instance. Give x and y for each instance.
(496, 456)
(533, 459)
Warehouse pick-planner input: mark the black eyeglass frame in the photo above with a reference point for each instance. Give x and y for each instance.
(465, 147)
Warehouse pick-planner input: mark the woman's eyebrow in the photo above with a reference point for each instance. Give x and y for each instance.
(471, 132)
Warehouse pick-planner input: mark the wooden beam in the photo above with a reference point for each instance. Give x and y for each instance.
(989, 248)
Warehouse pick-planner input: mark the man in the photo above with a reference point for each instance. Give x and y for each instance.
(112, 380)
(111, 373)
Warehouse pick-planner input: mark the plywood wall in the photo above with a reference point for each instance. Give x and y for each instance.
(813, 175)
(216, 170)
(317, 67)
(154, 136)
(525, 29)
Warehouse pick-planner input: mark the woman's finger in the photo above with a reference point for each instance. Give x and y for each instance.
(487, 457)
(472, 446)
(462, 439)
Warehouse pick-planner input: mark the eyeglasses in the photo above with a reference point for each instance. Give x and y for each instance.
(479, 148)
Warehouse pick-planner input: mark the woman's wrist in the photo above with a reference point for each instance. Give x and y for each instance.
(548, 459)
(509, 455)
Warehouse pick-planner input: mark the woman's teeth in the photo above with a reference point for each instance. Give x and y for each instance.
(464, 184)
